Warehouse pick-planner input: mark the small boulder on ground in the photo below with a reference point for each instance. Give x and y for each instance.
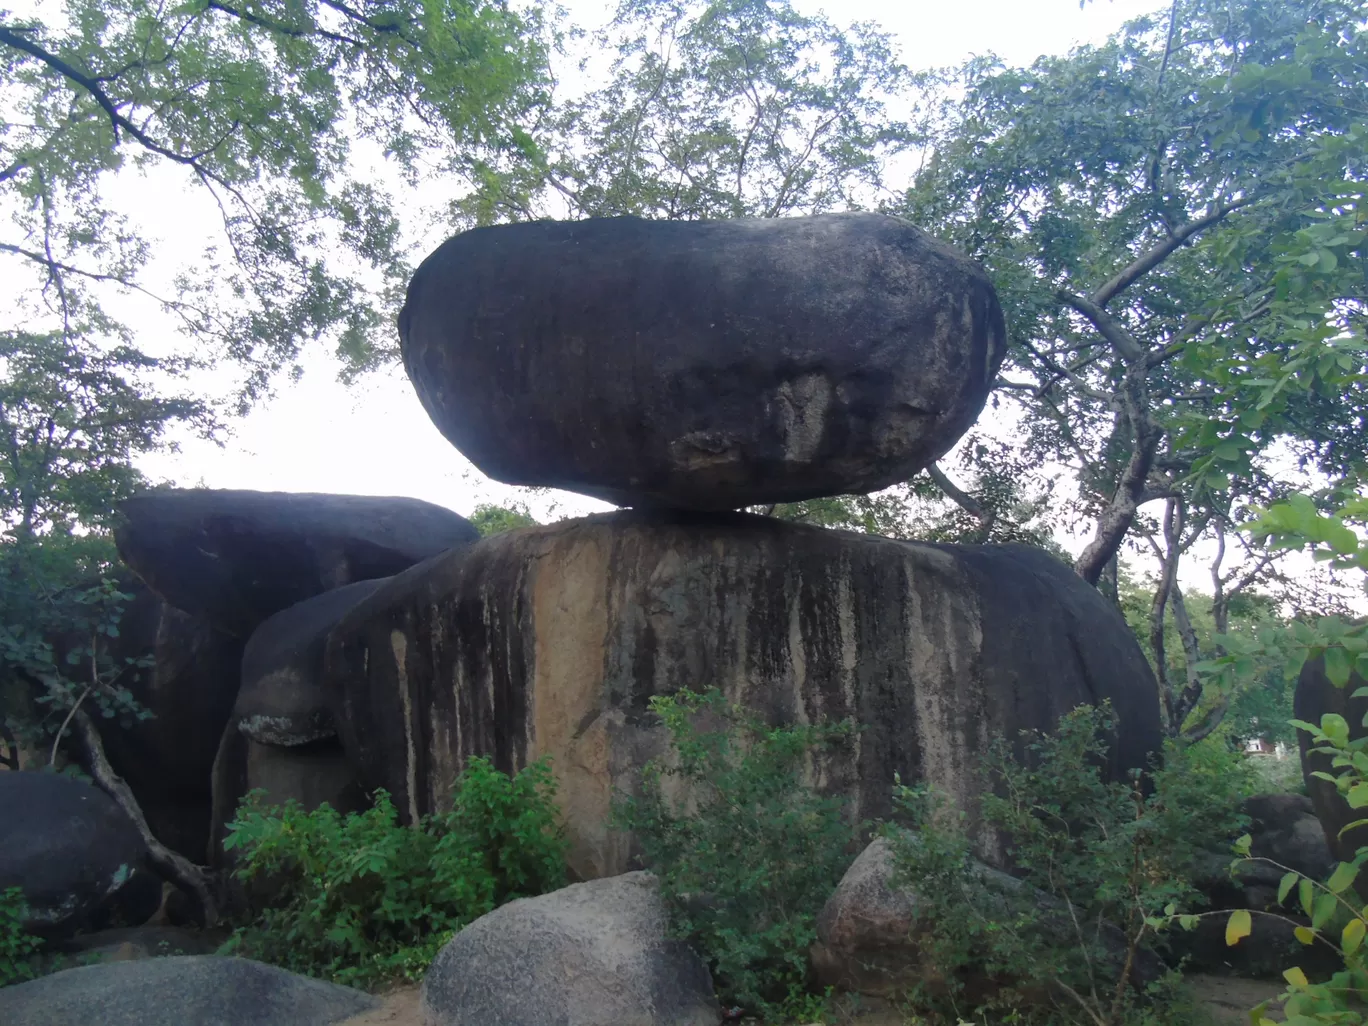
(702, 364)
(237, 557)
(869, 937)
(186, 990)
(77, 857)
(1283, 828)
(591, 954)
(282, 700)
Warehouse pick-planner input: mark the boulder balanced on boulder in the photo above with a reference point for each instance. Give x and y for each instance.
(702, 365)
(551, 640)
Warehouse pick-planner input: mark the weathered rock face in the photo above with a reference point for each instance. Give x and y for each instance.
(1315, 696)
(551, 641)
(78, 859)
(206, 990)
(591, 954)
(702, 365)
(237, 557)
(189, 687)
(282, 701)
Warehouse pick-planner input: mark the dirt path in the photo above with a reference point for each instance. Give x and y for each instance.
(1228, 1000)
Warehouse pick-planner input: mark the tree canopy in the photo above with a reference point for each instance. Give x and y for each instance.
(263, 105)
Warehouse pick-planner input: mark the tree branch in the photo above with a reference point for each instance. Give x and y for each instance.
(964, 500)
(1133, 272)
(173, 866)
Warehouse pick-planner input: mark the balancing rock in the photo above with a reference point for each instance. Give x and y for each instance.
(703, 365)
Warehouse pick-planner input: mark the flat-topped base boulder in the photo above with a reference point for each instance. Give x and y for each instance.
(702, 364)
(236, 557)
(551, 641)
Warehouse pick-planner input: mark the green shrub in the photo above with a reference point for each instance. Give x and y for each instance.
(1338, 918)
(17, 945)
(746, 853)
(361, 899)
(1112, 858)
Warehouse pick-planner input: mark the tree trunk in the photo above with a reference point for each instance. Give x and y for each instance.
(172, 866)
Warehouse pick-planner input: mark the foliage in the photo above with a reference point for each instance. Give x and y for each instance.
(714, 109)
(1174, 222)
(258, 106)
(746, 852)
(73, 419)
(1098, 863)
(1258, 703)
(1337, 917)
(17, 945)
(490, 519)
(361, 899)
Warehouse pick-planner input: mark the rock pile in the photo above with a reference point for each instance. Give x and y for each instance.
(324, 646)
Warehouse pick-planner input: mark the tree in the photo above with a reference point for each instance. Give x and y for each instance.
(72, 420)
(490, 519)
(1174, 221)
(259, 104)
(716, 109)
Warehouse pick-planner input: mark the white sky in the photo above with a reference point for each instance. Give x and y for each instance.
(374, 438)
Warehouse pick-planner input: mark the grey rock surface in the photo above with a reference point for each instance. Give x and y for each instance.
(552, 640)
(185, 990)
(282, 700)
(706, 364)
(591, 954)
(74, 853)
(237, 557)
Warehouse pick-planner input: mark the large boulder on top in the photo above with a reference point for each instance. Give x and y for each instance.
(76, 856)
(705, 364)
(203, 990)
(282, 701)
(591, 954)
(1315, 696)
(237, 557)
(551, 640)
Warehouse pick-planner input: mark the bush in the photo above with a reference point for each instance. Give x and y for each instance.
(1103, 865)
(360, 899)
(746, 853)
(1338, 918)
(17, 945)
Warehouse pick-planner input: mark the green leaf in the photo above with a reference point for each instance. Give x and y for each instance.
(1305, 935)
(1289, 881)
(1351, 938)
(1237, 927)
(1338, 668)
(1344, 875)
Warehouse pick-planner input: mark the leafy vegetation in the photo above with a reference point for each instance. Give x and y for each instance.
(490, 519)
(746, 852)
(1072, 937)
(17, 945)
(362, 900)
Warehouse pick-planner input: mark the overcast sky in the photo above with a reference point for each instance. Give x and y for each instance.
(374, 438)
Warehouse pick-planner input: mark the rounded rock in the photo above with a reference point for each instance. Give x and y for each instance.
(703, 365)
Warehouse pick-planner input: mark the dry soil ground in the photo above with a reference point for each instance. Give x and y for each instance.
(1228, 1000)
